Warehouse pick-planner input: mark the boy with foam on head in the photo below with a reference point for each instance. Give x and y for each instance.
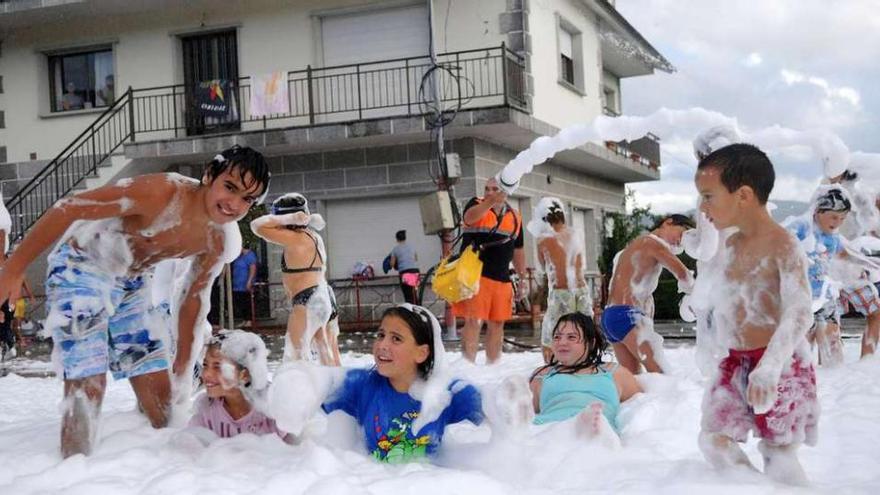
(759, 295)
(561, 255)
(100, 272)
(819, 234)
(630, 303)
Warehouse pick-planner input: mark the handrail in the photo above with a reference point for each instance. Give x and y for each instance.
(65, 150)
(70, 167)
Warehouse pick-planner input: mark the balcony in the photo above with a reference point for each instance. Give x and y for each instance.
(471, 79)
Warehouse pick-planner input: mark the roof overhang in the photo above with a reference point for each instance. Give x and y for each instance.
(625, 52)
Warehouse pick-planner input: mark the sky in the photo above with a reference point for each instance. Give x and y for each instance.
(801, 64)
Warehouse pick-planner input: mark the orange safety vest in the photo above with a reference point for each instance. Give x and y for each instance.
(510, 225)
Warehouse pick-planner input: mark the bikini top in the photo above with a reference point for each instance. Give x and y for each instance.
(311, 267)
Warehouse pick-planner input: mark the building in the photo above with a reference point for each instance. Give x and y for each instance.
(96, 90)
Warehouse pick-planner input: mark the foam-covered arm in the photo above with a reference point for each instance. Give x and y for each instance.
(196, 303)
(686, 284)
(297, 392)
(794, 322)
(279, 221)
(671, 262)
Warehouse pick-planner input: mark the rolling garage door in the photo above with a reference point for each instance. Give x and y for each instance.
(381, 34)
(363, 230)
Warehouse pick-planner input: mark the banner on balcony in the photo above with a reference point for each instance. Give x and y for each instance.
(269, 94)
(213, 98)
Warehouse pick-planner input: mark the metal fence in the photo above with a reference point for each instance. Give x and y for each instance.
(389, 88)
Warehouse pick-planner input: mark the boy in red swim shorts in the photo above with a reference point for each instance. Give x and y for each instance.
(761, 306)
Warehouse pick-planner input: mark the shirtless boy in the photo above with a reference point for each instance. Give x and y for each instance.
(630, 295)
(312, 324)
(98, 285)
(561, 255)
(761, 307)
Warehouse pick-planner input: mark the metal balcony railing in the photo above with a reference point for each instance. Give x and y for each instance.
(468, 79)
(388, 88)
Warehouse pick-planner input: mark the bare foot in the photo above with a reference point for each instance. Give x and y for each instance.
(591, 424)
(589, 421)
(781, 464)
(513, 402)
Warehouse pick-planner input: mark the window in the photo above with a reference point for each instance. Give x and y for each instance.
(566, 56)
(571, 64)
(610, 105)
(81, 80)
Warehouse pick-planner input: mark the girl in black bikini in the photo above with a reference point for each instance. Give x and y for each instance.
(312, 327)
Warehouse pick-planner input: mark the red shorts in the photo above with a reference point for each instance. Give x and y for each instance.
(793, 417)
(493, 302)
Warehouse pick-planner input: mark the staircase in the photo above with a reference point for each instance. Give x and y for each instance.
(89, 161)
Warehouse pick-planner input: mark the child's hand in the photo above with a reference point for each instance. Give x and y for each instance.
(763, 389)
(296, 394)
(686, 285)
(10, 285)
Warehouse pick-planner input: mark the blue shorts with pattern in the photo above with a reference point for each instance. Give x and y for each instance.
(101, 322)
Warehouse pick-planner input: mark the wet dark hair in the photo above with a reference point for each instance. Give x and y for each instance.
(400, 235)
(555, 216)
(248, 161)
(833, 200)
(290, 203)
(848, 176)
(677, 219)
(740, 165)
(593, 337)
(422, 331)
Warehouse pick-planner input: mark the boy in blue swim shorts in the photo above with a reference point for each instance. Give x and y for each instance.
(630, 295)
(618, 320)
(98, 292)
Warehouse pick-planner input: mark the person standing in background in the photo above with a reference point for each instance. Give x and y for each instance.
(244, 273)
(404, 259)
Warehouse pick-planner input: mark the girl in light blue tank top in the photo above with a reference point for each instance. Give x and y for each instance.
(576, 377)
(565, 395)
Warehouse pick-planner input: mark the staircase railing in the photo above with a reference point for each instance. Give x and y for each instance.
(79, 160)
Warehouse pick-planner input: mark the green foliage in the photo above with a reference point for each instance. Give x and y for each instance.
(248, 238)
(626, 227)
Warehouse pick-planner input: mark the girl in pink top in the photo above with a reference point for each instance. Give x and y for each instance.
(233, 372)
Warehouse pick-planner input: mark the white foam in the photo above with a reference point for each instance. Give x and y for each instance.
(658, 431)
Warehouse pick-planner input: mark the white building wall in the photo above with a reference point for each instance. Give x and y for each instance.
(272, 35)
(552, 102)
(472, 24)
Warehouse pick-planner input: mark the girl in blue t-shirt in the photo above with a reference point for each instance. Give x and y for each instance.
(577, 383)
(385, 400)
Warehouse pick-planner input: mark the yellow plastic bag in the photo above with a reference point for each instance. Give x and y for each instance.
(459, 279)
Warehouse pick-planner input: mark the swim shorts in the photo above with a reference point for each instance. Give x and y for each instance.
(618, 320)
(561, 302)
(864, 299)
(101, 322)
(792, 419)
(493, 302)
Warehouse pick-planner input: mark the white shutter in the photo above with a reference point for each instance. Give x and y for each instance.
(363, 230)
(565, 43)
(375, 35)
